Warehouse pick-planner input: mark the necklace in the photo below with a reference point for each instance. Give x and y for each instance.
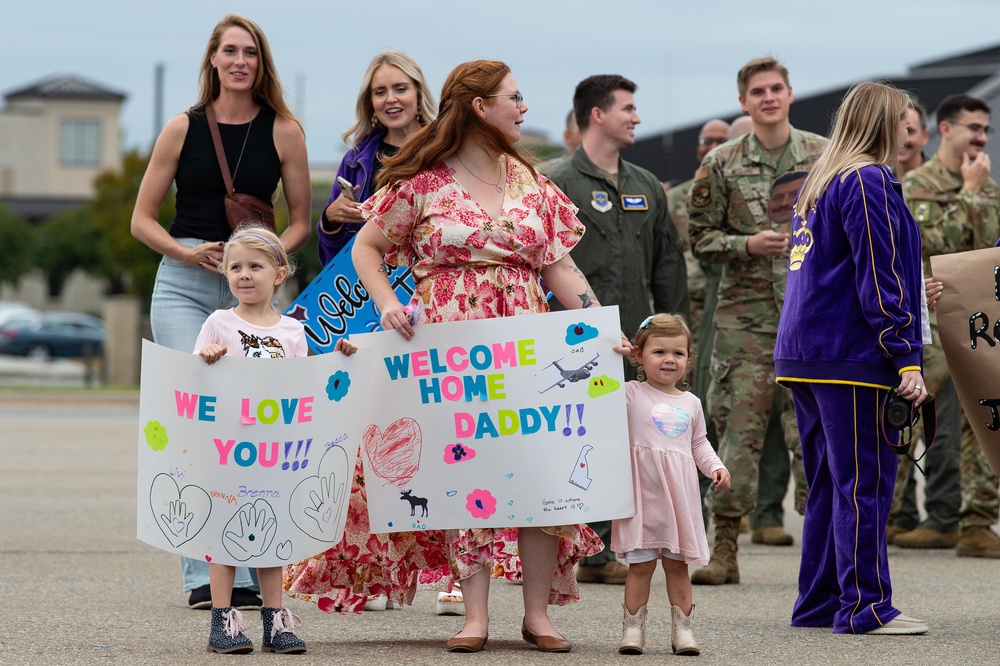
(486, 182)
(249, 125)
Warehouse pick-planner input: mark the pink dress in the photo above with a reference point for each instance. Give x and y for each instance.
(669, 446)
(466, 265)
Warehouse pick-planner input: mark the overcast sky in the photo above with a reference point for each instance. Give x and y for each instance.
(683, 55)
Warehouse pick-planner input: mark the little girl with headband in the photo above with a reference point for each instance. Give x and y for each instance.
(255, 264)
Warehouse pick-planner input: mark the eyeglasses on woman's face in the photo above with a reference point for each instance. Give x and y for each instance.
(516, 96)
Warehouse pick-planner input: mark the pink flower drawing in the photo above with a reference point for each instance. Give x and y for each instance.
(481, 503)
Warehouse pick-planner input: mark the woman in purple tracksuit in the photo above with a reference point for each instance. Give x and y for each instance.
(850, 331)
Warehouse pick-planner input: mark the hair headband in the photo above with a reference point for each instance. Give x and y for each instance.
(277, 252)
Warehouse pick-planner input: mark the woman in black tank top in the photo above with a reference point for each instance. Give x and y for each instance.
(264, 144)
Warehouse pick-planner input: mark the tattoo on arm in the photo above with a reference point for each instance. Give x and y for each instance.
(587, 299)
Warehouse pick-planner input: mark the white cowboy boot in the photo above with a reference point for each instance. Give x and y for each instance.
(682, 632)
(633, 631)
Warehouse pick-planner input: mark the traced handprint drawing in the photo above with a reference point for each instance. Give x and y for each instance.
(180, 514)
(249, 532)
(318, 505)
(178, 519)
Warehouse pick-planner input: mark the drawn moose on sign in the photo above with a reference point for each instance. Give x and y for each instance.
(414, 501)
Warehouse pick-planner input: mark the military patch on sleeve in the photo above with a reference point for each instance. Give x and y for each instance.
(922, 214)
(700, 194)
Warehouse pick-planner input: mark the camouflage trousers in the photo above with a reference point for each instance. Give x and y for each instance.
(740, 398)
(980, 505)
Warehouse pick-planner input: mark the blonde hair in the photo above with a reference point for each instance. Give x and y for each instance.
(865, 132)
(364, 110)
(267, 89)
(661, 326)
(258, 237)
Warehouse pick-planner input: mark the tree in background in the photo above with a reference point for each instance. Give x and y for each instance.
(131, 266)
(64, 243)
(16, 239)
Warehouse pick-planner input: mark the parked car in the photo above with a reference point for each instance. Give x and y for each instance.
(11, 311)
(53, 334)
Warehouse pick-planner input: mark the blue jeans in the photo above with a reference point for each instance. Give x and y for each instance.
(183, 297)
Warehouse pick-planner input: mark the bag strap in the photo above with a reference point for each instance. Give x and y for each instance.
(213, 127)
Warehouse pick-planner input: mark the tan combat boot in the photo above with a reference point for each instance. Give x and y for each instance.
(978, 542)
(722, 568)
(772, 535)
(682, 632)
(633, 631)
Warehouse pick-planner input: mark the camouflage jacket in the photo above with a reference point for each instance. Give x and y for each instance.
(951, 219)
(728, 205)
(699, 274)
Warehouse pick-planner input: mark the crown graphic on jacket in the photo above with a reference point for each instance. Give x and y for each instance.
(802, 242)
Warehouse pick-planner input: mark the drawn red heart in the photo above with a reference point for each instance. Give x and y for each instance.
(395, 454)
(208, 558)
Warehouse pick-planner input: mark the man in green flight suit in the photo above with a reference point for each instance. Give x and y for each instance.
(631, 253)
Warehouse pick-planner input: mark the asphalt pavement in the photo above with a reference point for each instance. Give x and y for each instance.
(77, 587)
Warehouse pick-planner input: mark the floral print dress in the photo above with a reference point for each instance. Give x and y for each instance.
(466, 265)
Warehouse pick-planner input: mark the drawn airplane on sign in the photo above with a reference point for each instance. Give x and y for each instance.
(571, 376)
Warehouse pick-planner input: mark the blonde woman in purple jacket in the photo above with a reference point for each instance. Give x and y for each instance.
(394, 102)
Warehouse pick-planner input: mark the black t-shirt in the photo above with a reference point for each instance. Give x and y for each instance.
(200, 188)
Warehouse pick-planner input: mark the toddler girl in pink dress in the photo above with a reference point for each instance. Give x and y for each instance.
(668, 443)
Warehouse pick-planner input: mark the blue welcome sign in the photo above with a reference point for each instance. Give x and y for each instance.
(335, 304)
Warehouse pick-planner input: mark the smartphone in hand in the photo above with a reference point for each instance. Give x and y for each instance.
(346, 188)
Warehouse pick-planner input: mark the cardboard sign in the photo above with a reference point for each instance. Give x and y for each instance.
(247, 461)
(969, 326)
(515, 421)
(336, 305)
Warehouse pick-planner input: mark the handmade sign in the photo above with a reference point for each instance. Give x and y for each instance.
(968, 316)
(336, 305)
(514, 421)
(247, 461)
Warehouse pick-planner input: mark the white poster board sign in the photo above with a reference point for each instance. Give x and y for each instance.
(515, 421)
(247, 461)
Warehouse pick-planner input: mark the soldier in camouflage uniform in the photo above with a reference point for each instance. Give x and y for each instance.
(957, 206)
(699, 276)
(942, 495)
(703, 286)
(729, 226)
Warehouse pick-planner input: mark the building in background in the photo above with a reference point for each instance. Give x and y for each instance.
(56, 136)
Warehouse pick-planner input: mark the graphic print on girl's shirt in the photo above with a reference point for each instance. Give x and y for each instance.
(255, 346)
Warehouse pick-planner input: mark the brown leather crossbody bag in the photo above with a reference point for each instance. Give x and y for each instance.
(240, 208)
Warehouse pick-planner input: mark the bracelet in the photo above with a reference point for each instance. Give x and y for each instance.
(340, 227)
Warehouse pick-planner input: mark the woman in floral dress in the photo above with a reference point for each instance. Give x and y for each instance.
(480, 229)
